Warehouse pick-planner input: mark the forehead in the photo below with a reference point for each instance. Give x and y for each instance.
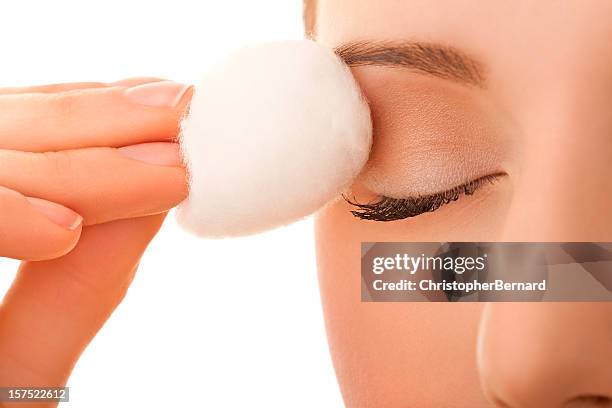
(558, 30)
(465, 18)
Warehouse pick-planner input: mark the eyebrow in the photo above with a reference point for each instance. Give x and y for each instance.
(432, 59)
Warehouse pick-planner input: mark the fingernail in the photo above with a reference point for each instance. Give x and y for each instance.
(159, 154)
(161, 94)
(57, 213)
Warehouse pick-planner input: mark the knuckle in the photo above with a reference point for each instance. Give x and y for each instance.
(63, 104)
(60, 169)
(105, 288)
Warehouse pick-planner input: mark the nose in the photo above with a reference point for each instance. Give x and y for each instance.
(546, 355)
(561, 182)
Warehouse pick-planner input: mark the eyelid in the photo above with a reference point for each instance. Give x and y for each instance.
(393, 209)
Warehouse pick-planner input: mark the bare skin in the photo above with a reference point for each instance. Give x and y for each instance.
(87, 173)
(542, 117)
(544, 112)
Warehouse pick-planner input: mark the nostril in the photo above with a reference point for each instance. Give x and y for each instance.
(589, 401)
(498, 403)
(583, 401)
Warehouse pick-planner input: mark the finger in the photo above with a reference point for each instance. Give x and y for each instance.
(102, 184)
(51, 88)
(35, 229)
(136, 81)
(54, 308)
(72, 86)
(107, 116)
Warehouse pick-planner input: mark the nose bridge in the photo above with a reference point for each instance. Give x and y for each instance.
(546, 355)
(562, 178)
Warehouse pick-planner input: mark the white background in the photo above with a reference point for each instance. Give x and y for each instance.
(231, 323)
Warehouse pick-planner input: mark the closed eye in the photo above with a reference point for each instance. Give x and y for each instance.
(393, 209)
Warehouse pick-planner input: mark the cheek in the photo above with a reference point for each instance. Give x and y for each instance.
(378, 349)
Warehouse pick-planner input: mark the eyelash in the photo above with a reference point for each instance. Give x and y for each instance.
(393, 209)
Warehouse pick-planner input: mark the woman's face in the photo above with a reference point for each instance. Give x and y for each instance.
(510, 101)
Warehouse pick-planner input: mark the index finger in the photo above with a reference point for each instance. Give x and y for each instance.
(112, 116)
(72, 86)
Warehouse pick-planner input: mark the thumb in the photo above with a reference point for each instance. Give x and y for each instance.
(34, 229)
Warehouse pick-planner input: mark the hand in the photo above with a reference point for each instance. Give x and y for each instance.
(59, 143)
(87, 172)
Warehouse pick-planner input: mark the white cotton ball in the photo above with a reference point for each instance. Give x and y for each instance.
(273, 134)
